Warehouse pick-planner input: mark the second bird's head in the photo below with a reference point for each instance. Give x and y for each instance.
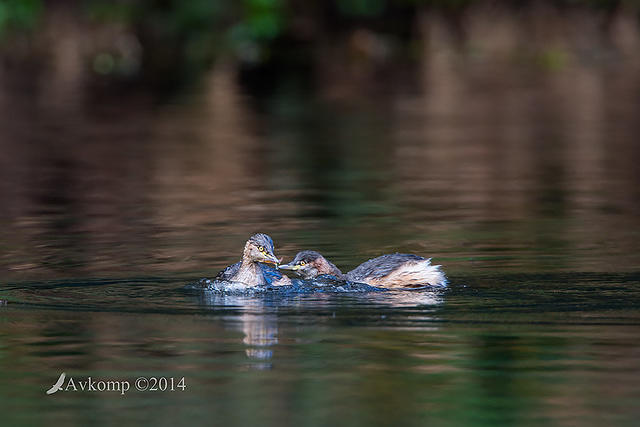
(307, 264)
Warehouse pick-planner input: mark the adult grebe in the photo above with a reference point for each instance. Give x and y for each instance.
(251, 271)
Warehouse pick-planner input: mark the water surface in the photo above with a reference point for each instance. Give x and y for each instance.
(525, 189)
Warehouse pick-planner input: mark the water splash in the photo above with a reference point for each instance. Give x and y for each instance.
(321, 284)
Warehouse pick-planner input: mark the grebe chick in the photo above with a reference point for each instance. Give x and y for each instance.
(392, 271)
(250, 271)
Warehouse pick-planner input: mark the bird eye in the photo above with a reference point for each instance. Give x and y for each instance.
(261, 248)
(302, 263)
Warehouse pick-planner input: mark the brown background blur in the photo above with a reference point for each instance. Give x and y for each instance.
(154, 136)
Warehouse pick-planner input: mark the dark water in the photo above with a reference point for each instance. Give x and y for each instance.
(524, 187)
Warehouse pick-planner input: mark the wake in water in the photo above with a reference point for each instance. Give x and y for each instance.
(321, 284)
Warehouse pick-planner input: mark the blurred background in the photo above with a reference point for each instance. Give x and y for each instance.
(154, 136)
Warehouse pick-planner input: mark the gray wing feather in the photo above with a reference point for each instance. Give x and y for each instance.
(229, 272)
(381, 266)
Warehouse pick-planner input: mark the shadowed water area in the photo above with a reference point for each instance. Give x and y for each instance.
(523, 186)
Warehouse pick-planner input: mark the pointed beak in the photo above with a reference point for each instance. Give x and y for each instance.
(289, 267)
(271, 259)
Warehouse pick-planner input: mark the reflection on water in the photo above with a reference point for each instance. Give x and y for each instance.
(258, 318)
(258, 322)
(470, 162)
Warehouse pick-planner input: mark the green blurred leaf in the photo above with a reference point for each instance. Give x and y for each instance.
(19, 15)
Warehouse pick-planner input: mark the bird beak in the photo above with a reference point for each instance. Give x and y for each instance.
(271, 259)
(288, 267)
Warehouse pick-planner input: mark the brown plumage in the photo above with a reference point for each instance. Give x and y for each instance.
(387, 271)
(251, 271)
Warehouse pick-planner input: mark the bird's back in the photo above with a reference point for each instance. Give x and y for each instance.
(398, 271)
(229, 272)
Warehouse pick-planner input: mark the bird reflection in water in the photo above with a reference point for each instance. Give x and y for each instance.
(258, 321)
(257, 315)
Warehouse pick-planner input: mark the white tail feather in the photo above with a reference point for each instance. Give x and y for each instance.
(413, 275)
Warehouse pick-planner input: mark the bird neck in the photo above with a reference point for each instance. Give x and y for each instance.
(324, 266)
(250, 272)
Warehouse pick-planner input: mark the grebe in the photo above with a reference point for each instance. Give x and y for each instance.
(250, 271)
(392, 271)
